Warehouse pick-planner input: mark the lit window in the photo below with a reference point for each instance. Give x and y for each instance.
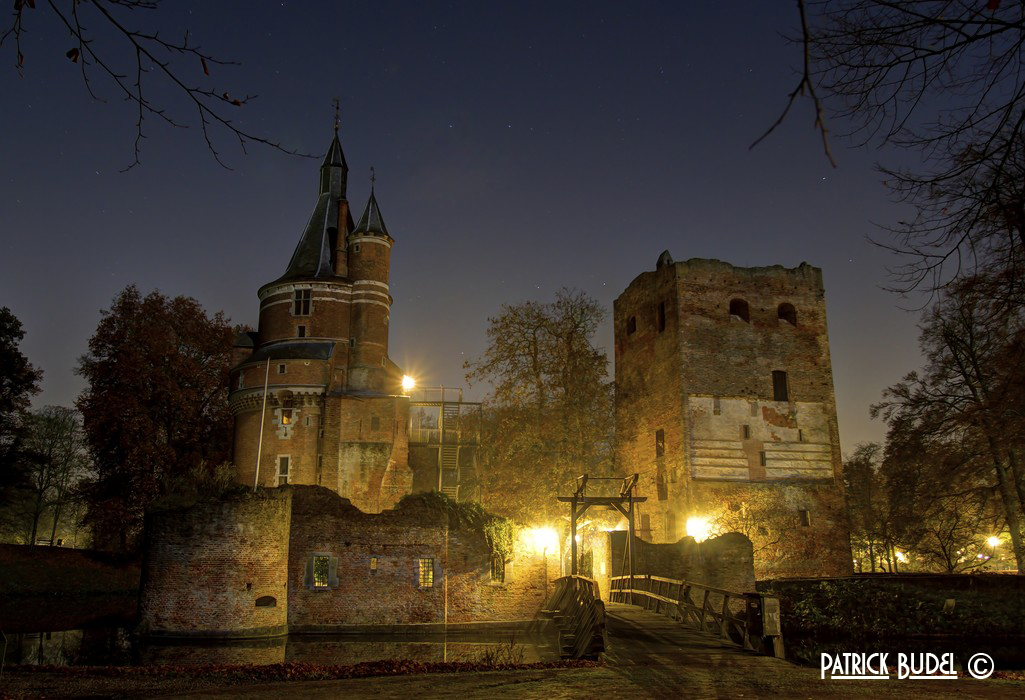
(302, 302)
(780, 392)
(321, 571)
(373, 565)
(426, 576)
(283, 463)
(286, 416)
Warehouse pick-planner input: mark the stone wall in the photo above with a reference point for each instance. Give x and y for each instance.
(725, 562)
(205, 567)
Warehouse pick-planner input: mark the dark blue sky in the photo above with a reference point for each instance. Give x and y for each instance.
(519, 148)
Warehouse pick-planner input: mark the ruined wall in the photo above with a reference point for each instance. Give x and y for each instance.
(394, 541)
(206, 566)
(725, 562)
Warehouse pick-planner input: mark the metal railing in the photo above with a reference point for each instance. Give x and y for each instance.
(751, 620)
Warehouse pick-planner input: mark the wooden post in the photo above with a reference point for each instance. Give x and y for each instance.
(573, 537)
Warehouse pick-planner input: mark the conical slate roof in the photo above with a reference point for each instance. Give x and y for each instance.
(312, 257)
(371, 221)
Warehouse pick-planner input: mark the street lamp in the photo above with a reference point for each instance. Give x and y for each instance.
(408, 384)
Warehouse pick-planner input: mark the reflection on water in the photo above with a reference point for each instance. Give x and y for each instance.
(115, 646)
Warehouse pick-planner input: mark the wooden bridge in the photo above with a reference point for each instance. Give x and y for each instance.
(681, 613)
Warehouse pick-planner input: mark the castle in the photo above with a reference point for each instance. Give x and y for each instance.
(316, 399)
(725, 406)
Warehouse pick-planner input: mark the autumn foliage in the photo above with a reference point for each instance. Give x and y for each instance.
(155, 406)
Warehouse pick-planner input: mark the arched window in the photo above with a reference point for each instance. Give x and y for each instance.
(787, 312)
(266, 601)
(738, 308)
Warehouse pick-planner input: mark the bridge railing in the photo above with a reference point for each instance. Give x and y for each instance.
(749, 619)
(576, 607)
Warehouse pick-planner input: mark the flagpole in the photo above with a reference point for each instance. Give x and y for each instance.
(263, 417)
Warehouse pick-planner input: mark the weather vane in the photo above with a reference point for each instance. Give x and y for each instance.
(373, 178)
(337, 117)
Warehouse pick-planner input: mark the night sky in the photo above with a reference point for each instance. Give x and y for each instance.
(519, 148)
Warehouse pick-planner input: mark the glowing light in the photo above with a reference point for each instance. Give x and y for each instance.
(902, 558)
(542, 539)
(699, 528)
(993, 541)
(408, 383)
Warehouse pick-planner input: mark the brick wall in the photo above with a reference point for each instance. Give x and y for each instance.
(725, 562)
(206, 566)
(688, 367)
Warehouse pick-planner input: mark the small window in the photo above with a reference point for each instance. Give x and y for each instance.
(306, 421)
(745, 431)
(739, 308)
(301, 307)
(805, 516)
(355, 248)
(352, 342)
(716, 406)
(241, 380)
(761, 458)
(321, 571)
(266, 601)
(498, 568)
(373, 565)
(660, 316)
(787, 313)
(286, 416)
(300, 332)
(283, 466)
(780, 392)
(426, 573)
(660, 443)
(661, 486)
(282, 368)
(800, 435)
(631, 325)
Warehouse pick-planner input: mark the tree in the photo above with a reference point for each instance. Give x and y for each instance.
(55, 461)
(155, 406)
(888, 69)
(968, 401)
(180, 65)
(549, 417)
(19, 381)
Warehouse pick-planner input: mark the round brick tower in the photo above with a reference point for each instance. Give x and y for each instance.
(315, 397)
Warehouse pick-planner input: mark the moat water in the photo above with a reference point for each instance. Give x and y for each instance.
(107, 640)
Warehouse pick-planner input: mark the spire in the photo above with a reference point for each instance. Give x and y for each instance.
(371, 221)
(334, 170)
(313, 255)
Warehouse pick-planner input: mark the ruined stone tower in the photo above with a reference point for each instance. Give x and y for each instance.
(335, 414)
(725, 406)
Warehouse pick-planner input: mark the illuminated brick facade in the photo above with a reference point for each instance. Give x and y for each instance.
(725, 406)
(335, 414)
